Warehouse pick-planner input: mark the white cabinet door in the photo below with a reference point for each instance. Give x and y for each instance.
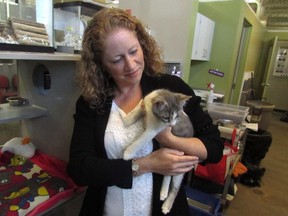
(203, 37)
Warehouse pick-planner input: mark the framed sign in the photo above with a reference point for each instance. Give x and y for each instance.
(281, 64)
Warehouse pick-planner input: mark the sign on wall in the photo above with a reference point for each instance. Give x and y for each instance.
(281, 64)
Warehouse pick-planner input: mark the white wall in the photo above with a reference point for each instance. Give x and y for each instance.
(170, 23)
(52, 133)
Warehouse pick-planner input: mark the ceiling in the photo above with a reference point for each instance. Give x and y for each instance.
(273, 13)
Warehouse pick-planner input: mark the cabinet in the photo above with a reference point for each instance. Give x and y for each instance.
(203, 37)
(71, 18)
(48, 119)
(27, 26)
(16, 113)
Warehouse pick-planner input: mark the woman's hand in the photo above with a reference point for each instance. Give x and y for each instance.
(167, 161)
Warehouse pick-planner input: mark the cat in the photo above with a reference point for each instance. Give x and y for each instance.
(160, 109)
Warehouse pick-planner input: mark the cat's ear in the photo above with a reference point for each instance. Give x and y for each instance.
(183, 99)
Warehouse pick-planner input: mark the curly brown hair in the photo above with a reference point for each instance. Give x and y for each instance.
(94, 81)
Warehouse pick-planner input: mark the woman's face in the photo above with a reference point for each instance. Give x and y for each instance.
(123, 57)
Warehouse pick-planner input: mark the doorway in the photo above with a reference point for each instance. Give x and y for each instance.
(240, 63)
(275, 80)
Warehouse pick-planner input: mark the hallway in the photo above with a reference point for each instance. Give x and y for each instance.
(271, 198)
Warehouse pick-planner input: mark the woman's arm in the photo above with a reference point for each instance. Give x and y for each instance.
(190, 146)
(206, 143)
(88, 163)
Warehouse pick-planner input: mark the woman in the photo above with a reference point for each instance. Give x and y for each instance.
(120, 64)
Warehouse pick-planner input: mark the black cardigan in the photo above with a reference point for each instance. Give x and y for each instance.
(89, 165)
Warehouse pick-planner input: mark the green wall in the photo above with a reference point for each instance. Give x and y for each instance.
(281, 35)
(229, 17)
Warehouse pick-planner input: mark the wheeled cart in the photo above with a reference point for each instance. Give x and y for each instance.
(209, 197)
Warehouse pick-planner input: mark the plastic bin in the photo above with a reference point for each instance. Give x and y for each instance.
(228, 111)
(261, 109)
(202, 204)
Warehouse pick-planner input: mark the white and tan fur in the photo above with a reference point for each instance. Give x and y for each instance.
(157, 115)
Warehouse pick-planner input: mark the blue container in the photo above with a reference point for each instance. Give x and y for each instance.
(203, 204)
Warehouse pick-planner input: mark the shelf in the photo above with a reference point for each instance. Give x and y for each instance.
(90, 6)
(15, 113)
(57, 56)
(26, 48)
(86, 8)
(227, 132)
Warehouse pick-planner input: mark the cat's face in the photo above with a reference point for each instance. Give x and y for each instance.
(168, 105)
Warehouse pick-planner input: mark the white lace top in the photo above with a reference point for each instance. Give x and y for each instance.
(138, 200)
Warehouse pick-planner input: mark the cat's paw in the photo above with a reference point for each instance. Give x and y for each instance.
(128, 155)
(163, 195)
(166, 207)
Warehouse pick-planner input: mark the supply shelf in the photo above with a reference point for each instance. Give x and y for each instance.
(57, 56)
(202, 184)
(239, 142)
(15, 113)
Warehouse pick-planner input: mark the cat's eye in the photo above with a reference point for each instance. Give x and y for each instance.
(166, 119)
